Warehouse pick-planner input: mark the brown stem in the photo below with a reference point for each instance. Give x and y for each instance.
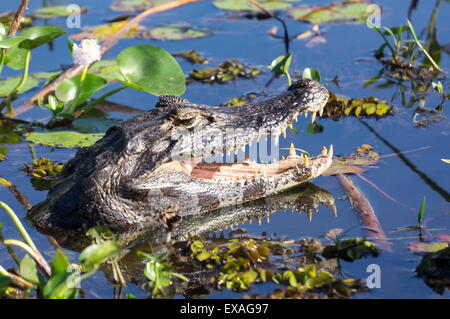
(106, 47)
(19, 15)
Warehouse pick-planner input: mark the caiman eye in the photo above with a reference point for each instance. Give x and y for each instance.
(185, 116)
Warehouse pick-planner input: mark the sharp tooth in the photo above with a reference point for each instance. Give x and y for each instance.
(324, 151)
(276, 139)
(321, 112)
(243, 148)
(295, 118)
(250, 221)
(306, 115)
(333, 208)
(292, 150)
(259, 221)
(313, 117)
(309, 213)
(330, 152)
(268, 220)
(284, 132)
(305, 160)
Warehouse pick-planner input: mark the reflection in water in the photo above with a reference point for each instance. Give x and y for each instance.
(304, 198)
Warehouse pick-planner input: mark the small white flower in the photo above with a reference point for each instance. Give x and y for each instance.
(86, 53)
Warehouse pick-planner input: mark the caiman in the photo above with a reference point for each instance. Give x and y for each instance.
(155, 166)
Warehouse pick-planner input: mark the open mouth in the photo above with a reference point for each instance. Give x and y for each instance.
(248, 169)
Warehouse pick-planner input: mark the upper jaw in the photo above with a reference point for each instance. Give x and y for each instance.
(220, 130)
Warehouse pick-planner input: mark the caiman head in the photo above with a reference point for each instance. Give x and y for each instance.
(158, 165)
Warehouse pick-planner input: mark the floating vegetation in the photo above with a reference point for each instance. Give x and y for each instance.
(351, 249)
(227, 71)
(177, 32)
(45, 173)
(64, 138)
(136, 5)
(247, 261)
(192, 56)
(42, 168)
(345, 11)
(243, 5)
(353, 163)
(105, 31)
(339, 107)
(54, 12)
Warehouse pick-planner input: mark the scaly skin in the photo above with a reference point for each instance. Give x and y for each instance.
(147, 168)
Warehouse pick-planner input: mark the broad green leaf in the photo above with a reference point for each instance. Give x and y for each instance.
(67, 90)
(311, 73)
(336, 12)
(59, 286)
(247, 6)
(65, 139)
(94, 255)
(15, 58)
(10, 42)
(29, 270)
(107, 69)
(151, 69)
(136, 5)
(280, 66)
(177, 32)
(6, 86)
(60, 263)
(53, 12)
(37, 36)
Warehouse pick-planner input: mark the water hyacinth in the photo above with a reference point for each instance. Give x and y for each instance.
(86, 53)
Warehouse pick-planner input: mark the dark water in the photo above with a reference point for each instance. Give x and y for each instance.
(348, 53)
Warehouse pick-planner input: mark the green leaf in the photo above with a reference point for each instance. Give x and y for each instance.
(311, 73)
(6, 86)
(65, 138)
(59, 287)
(53, 12)
(60, 263)
(421, 211)
(10, 42)
(151, 69)
(340, 11)
(37, 36)
(245, 5)
(177, 32)
(94, 255)
(15, 58)
(280, 66)
(29, 270)
(67, 89)
(136, 5)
